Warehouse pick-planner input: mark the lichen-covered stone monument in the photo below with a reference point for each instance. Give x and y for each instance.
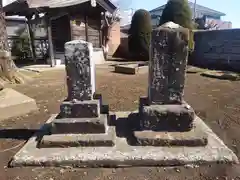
(169, 56)
(83, 119)
(164, 109)
(164, 131)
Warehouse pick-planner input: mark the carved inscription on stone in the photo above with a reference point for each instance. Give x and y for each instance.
(168, 61)
(80, 70)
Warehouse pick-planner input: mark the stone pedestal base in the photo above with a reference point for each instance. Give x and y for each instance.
(76, 132)
(84, 109)
(80, 109)
(80, 125)
(172, 117)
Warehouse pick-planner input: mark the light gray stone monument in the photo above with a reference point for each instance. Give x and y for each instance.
(80, 70)
(82, 112)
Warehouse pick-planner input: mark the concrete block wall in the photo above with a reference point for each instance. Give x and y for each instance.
(219, 48)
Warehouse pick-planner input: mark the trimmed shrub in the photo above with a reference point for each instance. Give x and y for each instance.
(140, 34)
(177, 11)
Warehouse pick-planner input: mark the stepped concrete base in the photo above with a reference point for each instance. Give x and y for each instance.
(122, 154)
(195, 137)
(77, 140)
(80, 125)
(13, 103)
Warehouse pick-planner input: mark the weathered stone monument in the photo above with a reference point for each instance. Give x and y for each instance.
(169, 56)
(83, 119)
(164, 131)
(164, 110)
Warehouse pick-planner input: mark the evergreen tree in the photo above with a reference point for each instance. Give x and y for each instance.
(140, 34)
(177, 11)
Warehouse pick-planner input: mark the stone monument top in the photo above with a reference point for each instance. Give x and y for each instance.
(171, 25)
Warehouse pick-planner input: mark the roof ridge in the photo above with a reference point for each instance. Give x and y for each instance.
(197, 6)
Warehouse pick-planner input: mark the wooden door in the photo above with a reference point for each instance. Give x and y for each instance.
(61, 33)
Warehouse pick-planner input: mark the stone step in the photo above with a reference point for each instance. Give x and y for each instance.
(80, 125)
(193, 138)
(76, 140)
(80, 109)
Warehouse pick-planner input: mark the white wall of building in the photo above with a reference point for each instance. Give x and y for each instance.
(126, 16)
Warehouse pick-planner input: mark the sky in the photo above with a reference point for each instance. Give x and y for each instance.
(229, 7)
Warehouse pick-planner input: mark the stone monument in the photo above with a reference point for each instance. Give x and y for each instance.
(164, 110)
(83, 119)
(164, 131)
(169, 56)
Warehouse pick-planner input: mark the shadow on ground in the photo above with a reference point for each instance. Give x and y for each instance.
(19, 134)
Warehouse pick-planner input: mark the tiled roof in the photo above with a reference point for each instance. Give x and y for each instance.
(53, 3)
(60, 3)
(34, 4)
(202, 9)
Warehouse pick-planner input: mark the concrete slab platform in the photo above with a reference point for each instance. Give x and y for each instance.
(131, 68)
(223, 75)
(13, 103)
(42, 68)
(122, 154)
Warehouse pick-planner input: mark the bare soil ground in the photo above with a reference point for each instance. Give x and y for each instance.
(216, 101)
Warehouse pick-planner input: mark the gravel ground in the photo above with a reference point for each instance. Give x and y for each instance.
(216, 101)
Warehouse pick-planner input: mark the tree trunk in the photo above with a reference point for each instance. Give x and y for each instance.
(3, 31)
(8, 70)
(106, 38)
(107, 24)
